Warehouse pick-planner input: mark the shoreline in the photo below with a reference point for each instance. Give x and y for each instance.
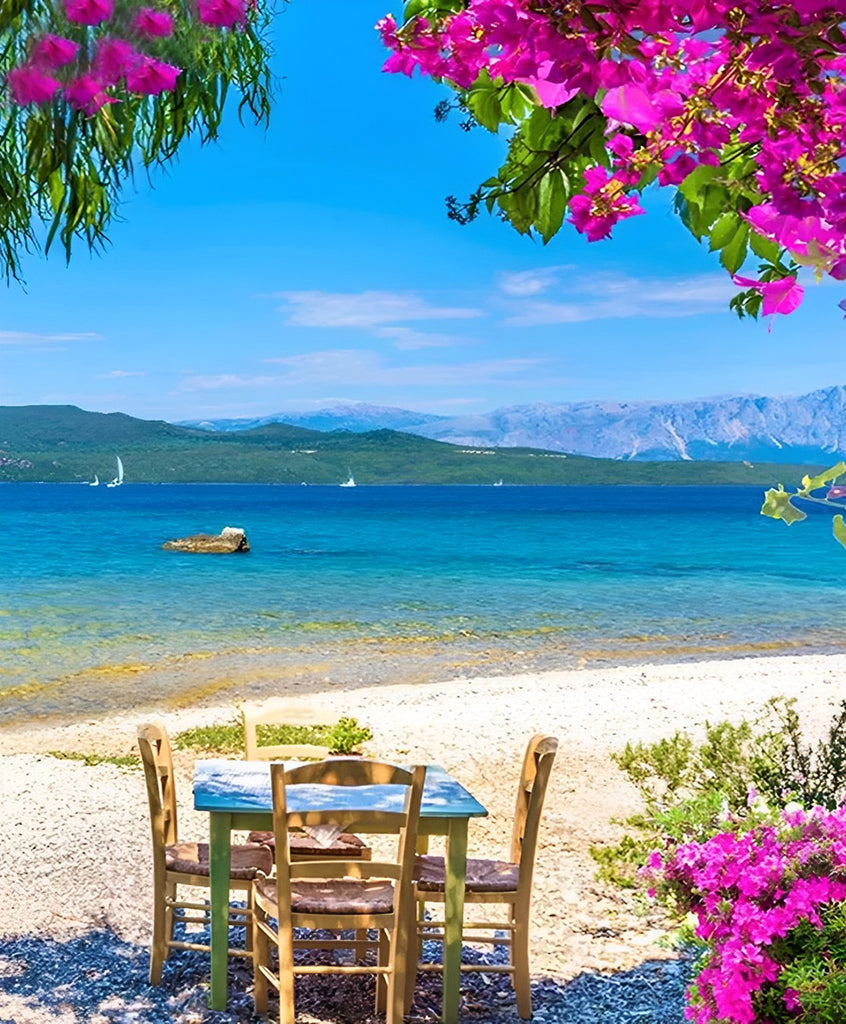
(255, 673)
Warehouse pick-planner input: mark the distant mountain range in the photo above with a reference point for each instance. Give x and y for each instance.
(67, 444)
(808, 428)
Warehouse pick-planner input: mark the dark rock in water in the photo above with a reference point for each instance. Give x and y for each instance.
(229, 540)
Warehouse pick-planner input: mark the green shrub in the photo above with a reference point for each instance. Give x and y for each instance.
(346, 736)
(741, 775)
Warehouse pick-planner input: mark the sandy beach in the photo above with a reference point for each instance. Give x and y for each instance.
(64, 814)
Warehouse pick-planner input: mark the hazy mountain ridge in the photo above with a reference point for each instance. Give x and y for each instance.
(67, 444)
(358, 417)
(810, 427)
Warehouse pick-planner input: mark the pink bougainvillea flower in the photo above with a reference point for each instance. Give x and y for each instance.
(675, 172)
(113, 60)
(222, 13)
(781, 296)
(89, 12)
(51, 52)
(551, 94)
(152, 23)
(629, 104)
(87, 94)
(601, 205)
(151, 77)
(29, 85)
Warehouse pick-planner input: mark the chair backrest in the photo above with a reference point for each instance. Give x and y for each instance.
(537, 764)
(154, 746)
(348, 772)
(280, 713)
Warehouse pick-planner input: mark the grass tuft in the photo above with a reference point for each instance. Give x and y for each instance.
(91, 760)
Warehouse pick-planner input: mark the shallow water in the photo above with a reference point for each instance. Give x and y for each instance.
(87, 588)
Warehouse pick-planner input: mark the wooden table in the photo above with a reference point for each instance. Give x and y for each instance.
(237, 796)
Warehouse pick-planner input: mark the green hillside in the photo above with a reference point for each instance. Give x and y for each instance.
(66, 444)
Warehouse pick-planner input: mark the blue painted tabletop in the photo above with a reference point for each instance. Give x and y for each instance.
(236, 786)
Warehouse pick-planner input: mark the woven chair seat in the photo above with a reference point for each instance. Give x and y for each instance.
(335, 896)
(482, 875)
(193, 859)
(344, 845)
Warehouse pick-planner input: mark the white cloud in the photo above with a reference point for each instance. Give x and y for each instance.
(523, 283)
(25, 338)
(214, 382)
(363, 366)
(608, 296)
(121, 373)
(407, 338)
(364, 309)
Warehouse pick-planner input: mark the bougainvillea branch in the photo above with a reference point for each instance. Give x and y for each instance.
(739, 105)
(92, 89)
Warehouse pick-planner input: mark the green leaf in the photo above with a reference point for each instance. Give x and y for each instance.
(724, 230)
(483, 101)
(813, 483)
(733, 252)
(764, 248)
(552, 204)
(839, 530)
(695, 182)
(777, 506)
(534, 130)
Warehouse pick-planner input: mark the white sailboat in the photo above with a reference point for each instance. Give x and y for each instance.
(95, 482)
(118, 480)
(349, 482)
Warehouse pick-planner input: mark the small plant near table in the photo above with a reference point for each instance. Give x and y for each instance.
(346, 736)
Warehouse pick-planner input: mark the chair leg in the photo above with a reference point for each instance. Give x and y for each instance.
(261, 955)
(399, 960)
(359, 947)
(158, 945)
(412, 955)
(383, 956)
(419, 918)
(170, 917)
(520, 963)
(285, 945)
(248, 925)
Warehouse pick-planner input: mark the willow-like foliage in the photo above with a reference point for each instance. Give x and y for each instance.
(62, 172)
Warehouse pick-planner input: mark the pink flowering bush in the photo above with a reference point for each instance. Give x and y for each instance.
(89, 88)
(738, 105)
(769, 907)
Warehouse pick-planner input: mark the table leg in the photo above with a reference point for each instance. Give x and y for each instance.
(220, 838)
(456, 869)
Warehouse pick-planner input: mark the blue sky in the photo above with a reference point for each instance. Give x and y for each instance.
(315, 263)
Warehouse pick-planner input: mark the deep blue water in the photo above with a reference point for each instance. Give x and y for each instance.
(86, 584)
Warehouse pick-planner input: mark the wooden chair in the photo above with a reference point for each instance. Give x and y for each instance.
(177, 863)
(278, 713)
(492, 881)
(282, 713)
(338, 895)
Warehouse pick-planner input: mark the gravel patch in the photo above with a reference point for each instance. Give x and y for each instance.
(97, 978)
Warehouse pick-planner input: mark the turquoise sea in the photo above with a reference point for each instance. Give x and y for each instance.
(571, 574)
